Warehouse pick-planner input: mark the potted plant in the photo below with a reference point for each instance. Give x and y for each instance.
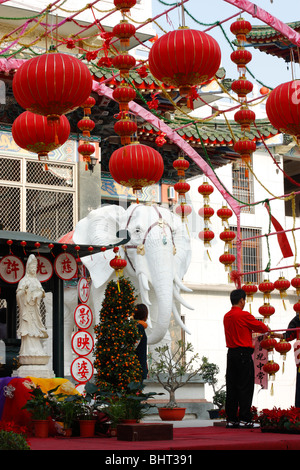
(40, 406)
(173, 370)
(209, 372)
(67, 411)
(87, 416)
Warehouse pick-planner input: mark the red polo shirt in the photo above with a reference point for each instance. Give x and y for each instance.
(238, 327)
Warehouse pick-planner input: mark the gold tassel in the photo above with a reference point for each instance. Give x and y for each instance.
(272, 390)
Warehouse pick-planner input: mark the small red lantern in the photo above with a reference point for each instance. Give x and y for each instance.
(295, 282)
(86, 125)
(125, 128)
(160, 140)
(124, 31)
(250, 290)
(271, 368)
(123, 94)
(206, 212)
(198, 58)
(283, 108)
(124, 62)
(224, 213)
(181, 165)
(242, 88)
(52, 84)
(88, 104)
(296, 307)
(283, 347)
(245, 148)
(118, 264)
(33, 133)
(206, 236)
(136, 166)
(266, 310)
(227, 259)
(245, 117)
(182, 187)
(268, 343)
(266, 287)
(183, 210)
(206, 190)
(240, 28)
(227, 236)
(282, 285)
(86, 149)
(264, 90)
(124, 5)
(241, 58)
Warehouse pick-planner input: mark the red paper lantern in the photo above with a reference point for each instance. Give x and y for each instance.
(242, 87)
(52, 84)
(181, 165)
(118, 264)
(88, 104)
(240, 28)
(86, 125)
(123, 94)
(227, 259)
(206, 236)
(271, 368)
(86, 149)
(245, 117)
(206, 190)
(266, 287)
(33, 133)
(125, 128)
(160, 140)
(241, 58)
(124, 62)
(224, 213)
(250, 290)
(296, 307)
(282, 285)
(283, 108)
(182, 187)
(124, 5)
(136, 166)
(206, 212)
(227, 236)
(266, 310)
(283, 347)
(268, 343)
(183, 210)
(184, 58)
(124, 31)
(295, 282)
(245, 148)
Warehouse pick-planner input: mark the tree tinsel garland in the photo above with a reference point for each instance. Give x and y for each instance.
(116, 362)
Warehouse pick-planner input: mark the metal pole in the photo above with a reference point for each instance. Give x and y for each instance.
(58, 327)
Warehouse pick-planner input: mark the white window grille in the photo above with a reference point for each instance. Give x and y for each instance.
(251, 254)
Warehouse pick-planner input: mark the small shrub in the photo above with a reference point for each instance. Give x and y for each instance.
(10, 440)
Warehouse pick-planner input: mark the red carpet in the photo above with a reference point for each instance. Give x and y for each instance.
(184, 439)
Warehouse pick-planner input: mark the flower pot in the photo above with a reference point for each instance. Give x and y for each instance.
(67, 432)
(214, 413)
(171, 414)
(41, 428)
(87, 427)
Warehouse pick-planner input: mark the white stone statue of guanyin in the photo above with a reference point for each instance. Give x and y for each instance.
(30, 292)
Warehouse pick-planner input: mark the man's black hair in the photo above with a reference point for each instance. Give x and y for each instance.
(237, 295)
(141, 312)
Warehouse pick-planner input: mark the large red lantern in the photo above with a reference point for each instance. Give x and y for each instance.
(52, 84)
(266, 310)
(124, 31)
(271, 368)
(124, 62)
(33, 133)
(184, 58)
(240, 28)
(136, 166)
(283, 108)
(266, 287)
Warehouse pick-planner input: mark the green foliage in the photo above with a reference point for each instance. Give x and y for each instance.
(209, 372)
(41, 404)
(10, 440)
(172, 369)
(116, 361)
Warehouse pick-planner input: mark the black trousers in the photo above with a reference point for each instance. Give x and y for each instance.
(239, 384)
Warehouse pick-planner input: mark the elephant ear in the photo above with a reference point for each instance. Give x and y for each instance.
(99, 228)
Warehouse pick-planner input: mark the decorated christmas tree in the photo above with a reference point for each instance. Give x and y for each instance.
(116, 362)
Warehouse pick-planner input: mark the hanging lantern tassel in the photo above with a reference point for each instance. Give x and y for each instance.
(282, 285)
(118, 264)
(271, 368)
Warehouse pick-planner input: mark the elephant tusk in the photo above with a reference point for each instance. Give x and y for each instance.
(180, 284)
(144, 288)
(178, 319)
(181, 300)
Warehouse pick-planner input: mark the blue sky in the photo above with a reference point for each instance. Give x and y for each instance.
(269, 70)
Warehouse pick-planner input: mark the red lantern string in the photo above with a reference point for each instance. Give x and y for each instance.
(37, 245)
(282, 285)
(51, 246)
(23, 244)
(10, 242)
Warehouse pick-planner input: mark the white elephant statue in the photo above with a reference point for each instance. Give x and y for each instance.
(158, 255)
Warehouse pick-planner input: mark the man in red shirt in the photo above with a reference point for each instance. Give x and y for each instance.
(238, 328)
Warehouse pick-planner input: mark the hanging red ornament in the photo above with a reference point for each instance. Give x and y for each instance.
(183, 210)
(227, 236)
(250, 290)
(181, 165)
(264, 90)
(123, 94)
(160, 140)
(283, 347)
(296, 307)
(206, 190)
(268, 343)
(124, 31)
(283, 108)
(52, 84)
(206, 236)
(295, 282)
(242, 87)
(266, 287)
(86, 149)
(118, 264)
(227, 259)
(266, 310)
(240, 28)
(125, 128)
(33, 133)
(88, 104)
(124, 5)
(136, 166)
(224, 213)
(124, 62)
(241, 58)
(198, 58)
(182, 187)
(245, 148)
(206, 212)
(282, 285)
(271, 368)
(245, 117)
(86, 125)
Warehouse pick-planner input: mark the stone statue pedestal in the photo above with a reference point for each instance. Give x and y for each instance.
(34, 366)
